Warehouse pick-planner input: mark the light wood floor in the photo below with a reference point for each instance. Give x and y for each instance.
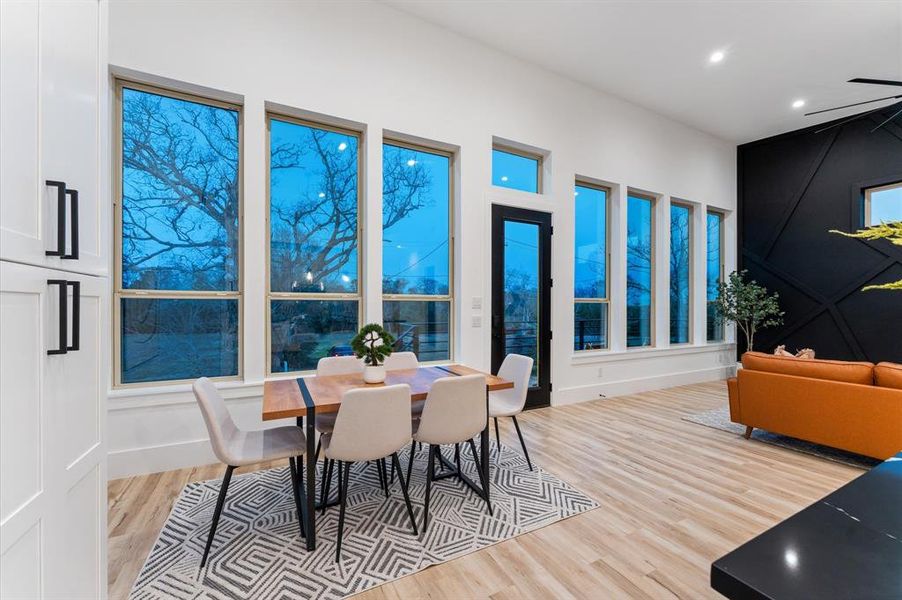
(674, 497)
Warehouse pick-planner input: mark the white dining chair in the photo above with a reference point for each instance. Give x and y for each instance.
(237, 448)
(372, 424)
(510, 402)
(454, 413)
(397, 361)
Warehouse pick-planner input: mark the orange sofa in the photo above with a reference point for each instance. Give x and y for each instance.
(855, 406)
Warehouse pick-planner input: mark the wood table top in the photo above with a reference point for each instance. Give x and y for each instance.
(282, 398)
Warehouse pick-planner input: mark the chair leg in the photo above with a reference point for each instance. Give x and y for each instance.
(395, 463)
(497, 437)
(319, 444)
(327, 483)
(410, 461)
(429, 475)
(343, 470)
(381, 478)
(457, 456)
(480, 472)
(748, 432)
(391, 479)
(522, 443)
(292, 468)
(384, 472)
(223, 488)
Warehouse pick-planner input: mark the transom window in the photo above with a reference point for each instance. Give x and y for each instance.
(590, 280)
(417, 246)
(883, 204)
(640, 233)
(314, 267)
(680, 273)
(516, 170)
(715, 274)
(177, 289)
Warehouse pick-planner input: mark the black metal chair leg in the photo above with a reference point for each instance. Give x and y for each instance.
(497, 437)
(457, 456)
(395, 463)
(384, 472)
(223, 488)
(481, 474)
(522, 443)
(295, 492)
(319, 444)
(343, 470)
(429, 475)
(391, 480)
(410, 461)
(324, 494)
(382, 481)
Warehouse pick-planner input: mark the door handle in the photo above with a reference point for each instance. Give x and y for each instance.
(63, 321)
(73, 232)
(60, 218)
(76, 315)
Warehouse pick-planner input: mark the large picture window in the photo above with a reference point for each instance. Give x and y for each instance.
(680, 273)
(178, 252)
(590, 283)
(416, 249)
(639, 270)
(714, 262)
(314, 267)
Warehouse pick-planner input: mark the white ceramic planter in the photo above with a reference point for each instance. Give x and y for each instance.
(374, 374)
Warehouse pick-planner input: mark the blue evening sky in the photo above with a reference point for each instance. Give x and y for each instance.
(886, 205)
(515, 171)
(639, 236)
(591, 254)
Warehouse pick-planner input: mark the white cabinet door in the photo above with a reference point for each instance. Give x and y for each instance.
(53, 98)
(53, 471)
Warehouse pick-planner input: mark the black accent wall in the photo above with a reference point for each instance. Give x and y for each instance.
(792, 189)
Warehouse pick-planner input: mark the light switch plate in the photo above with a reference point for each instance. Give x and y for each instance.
(477, 302)
(477, 321)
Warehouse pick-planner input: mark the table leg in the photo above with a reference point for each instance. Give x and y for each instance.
(484, 449)
(310, 495)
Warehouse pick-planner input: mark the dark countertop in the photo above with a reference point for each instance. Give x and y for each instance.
(846, 545)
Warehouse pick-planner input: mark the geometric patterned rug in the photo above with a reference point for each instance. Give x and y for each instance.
(258, 552)
(719, 418)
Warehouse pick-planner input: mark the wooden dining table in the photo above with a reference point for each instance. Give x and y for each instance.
(305, 397)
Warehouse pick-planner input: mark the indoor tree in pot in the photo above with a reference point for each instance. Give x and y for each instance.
(748, 305)
(372, 343)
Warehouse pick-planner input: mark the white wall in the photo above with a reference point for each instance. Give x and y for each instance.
(371, 64)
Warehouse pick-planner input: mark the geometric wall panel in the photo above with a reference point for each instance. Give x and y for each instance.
(794, 188)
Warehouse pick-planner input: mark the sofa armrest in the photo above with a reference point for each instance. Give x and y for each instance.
(733, 391)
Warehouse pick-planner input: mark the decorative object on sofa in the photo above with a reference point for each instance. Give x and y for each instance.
(885, 231)
(803, 353)
(372, 343)
(748, 305)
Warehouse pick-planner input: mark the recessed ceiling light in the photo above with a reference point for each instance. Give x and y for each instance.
(716, 57)
(798, 103)
(504, 178)
(342, 147)
(322, 194)
(411, 162)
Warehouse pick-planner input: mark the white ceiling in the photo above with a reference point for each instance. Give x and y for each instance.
(655, 54)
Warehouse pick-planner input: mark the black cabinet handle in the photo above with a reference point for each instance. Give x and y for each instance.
(76, 315)
(73, 233)
(63, 323)
(60, 218)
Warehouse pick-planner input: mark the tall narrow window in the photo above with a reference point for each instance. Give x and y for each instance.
(516, 170)
(714, 273)
(680, 273)
(883, 204)
(416, 249)
(177, 287)
(314, 270)
(639, 270)
(590, 283)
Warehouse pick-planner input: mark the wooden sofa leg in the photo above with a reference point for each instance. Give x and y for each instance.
(748, 432)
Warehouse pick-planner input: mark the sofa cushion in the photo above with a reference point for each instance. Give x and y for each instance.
(832, 370)
(887, 374)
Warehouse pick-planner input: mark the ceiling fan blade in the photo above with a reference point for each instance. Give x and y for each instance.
(817, 112)
(875, 81)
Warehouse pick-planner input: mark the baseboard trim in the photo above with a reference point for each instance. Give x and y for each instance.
(154, 459)
(610, 389)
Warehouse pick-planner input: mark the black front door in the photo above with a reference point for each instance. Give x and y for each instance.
(521, 294)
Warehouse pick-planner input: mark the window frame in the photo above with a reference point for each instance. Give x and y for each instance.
(118, 291)
(867, 200)
(540, 167)
(653, 201)
(269, 115)
(449, 297)
(607, 252)
(721, 269)
(691, 221)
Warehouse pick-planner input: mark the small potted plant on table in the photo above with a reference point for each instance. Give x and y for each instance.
(372, 343)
